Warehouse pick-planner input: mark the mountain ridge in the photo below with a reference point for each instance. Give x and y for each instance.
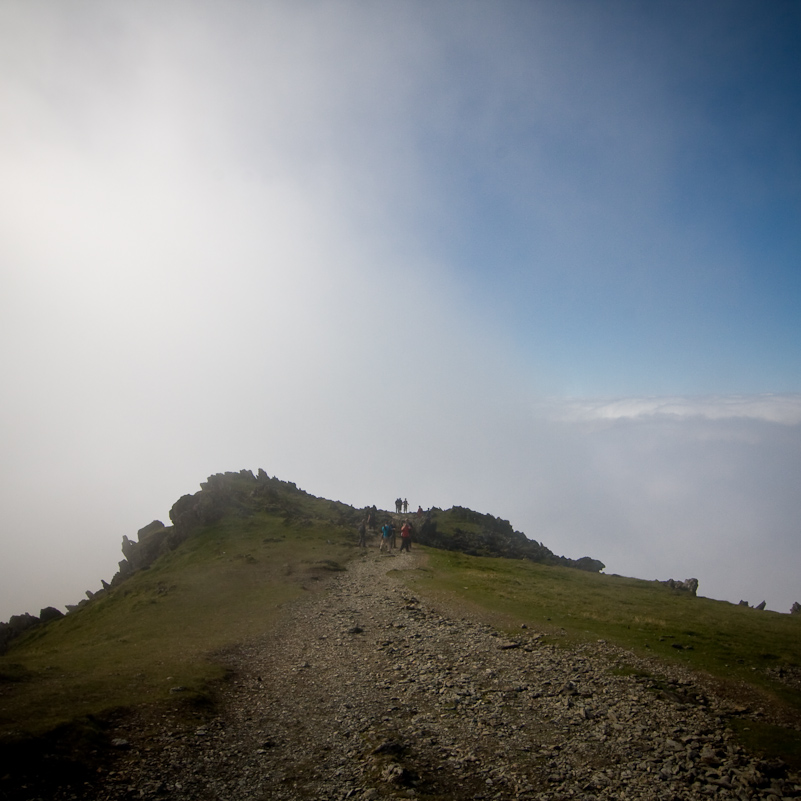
(245, 493)
(259, 596)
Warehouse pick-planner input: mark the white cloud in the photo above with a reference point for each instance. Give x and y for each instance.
(782, 409)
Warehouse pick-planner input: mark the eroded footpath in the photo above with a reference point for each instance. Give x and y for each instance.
(368, 692)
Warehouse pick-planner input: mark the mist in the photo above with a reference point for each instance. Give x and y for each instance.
(429, 251)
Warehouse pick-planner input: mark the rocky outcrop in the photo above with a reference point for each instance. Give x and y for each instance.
(689, 585)
(795, 609)
(19, 624)
(50, 613)
(241, 494)
(758, 607)
(460, 529)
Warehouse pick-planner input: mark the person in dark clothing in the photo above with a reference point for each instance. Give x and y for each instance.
(387, 532)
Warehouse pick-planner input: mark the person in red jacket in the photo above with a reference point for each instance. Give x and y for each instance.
(406, 536)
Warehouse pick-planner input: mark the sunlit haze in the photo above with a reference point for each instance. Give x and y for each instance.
(540, 259)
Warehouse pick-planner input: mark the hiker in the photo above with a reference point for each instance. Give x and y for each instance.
(406, 537)
(363, 533)
(405, 506)
(398, 503)
(386, 536)
(371, 519)
(419, 512)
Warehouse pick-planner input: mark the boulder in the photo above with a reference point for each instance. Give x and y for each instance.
(590, 564)
(688, 585)
(150, 528)
(149, 547)
(50, 613)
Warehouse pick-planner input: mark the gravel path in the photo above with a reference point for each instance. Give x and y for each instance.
(367, 692)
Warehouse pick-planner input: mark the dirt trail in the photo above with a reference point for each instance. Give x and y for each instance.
(367, 692)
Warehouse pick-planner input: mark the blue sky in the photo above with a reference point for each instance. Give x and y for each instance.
(539, 259)
(637, 219)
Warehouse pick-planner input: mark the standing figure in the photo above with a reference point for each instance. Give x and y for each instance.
(363, 534)
(406, 537)
(386, 536)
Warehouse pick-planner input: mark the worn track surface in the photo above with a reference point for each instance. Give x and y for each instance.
(368, 692)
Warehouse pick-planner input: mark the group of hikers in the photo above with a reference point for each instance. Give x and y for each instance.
(388, 538)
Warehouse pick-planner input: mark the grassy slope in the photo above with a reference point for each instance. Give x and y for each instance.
(743, 649)
(726, 640)
(160, 629)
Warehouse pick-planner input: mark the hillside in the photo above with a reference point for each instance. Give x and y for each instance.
(251, 649)
(245, 495)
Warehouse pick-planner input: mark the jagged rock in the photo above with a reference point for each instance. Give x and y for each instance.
(484, 535)
(154, 540)
(592, 565)
(17, 625)
(743, 603)
(150, 528)
(50, 613)
(181, 512)
(761, 606)
(688, 585)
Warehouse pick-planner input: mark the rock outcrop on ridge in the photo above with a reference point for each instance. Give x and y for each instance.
(243, 494)
(476, 534)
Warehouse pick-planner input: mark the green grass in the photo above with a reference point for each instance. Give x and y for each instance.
(741, 648)
(768, 740)
(162, 628)
(733, 644)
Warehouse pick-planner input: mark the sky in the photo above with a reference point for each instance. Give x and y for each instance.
(539, 259)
